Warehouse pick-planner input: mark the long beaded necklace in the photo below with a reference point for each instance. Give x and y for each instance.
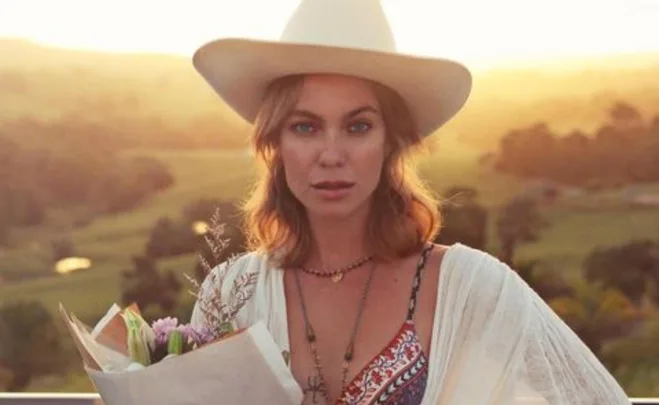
(337, 275)
(311, 338)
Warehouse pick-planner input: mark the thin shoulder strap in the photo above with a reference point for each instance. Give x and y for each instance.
(416, 283)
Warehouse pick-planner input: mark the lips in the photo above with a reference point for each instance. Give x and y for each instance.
(333, 185)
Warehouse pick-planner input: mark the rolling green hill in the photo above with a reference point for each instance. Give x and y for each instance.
(169, 114)
(145, 91)
(42, 82)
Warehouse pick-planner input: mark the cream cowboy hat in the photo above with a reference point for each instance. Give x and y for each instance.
(350, 37)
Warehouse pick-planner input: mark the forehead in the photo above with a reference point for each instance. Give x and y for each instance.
(328, 94)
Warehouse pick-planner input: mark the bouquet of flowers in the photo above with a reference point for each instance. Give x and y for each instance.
(167, 362)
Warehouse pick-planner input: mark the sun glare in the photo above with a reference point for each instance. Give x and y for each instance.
(479, 31)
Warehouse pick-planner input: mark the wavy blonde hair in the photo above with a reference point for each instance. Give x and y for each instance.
(405, 216)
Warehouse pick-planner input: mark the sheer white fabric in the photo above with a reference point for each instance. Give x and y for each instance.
(494, 341)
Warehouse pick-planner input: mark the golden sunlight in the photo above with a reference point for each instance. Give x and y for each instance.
(200, 227)
(71, 264)
(477, 31)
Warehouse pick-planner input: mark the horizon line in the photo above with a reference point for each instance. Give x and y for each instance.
(516, 62)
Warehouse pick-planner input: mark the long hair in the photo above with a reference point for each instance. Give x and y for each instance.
(405, 216)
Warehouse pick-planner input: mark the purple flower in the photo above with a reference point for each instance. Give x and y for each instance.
(195, 335)
(187, 331)
(204, 335)
(162, 327)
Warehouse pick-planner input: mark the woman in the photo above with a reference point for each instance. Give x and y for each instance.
(349, 282)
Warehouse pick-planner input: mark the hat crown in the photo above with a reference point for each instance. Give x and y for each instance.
(343, 23)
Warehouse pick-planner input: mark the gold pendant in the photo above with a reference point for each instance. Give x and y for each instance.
(337, 277)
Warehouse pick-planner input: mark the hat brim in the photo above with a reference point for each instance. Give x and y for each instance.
(240, 70)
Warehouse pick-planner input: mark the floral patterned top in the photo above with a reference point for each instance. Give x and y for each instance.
(398, 374)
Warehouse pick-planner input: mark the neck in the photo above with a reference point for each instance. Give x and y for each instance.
(337, 242)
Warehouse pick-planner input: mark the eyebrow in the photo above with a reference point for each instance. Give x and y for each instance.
(349, 114)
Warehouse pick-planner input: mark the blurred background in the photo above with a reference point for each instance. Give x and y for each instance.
(114, 155)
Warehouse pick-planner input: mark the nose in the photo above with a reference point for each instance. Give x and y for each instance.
(332, 152)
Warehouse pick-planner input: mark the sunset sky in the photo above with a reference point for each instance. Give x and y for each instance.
(478, 31)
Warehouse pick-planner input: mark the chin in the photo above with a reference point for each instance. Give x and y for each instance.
(336, 210)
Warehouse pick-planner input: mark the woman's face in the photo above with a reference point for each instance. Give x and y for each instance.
(333, 146)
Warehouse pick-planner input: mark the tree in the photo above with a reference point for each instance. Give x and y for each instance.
(32, 343)
(597, 314)
(62, 248)
(126, 184)
(5, 227)
(5, 346)
(632, 268)
(638, 349)
(464, 219)
(146, 286)
(625, 114)
(171, 238)
(529, 151)
(519, 222)
(546, 285)
(587, 160)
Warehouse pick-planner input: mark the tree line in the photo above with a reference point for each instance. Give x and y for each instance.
(622, 151)
(73, 165)
(613, 307)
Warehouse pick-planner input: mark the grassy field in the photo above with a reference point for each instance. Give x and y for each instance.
(105, 88)
(111, 241)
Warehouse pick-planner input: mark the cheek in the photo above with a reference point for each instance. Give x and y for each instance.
(297, 163)
(369, 163)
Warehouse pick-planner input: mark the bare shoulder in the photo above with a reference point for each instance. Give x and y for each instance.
(428, 292)
(432, 270)
(436, 257)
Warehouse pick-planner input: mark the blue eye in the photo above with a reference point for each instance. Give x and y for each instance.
(359, 127)
(303, 127)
